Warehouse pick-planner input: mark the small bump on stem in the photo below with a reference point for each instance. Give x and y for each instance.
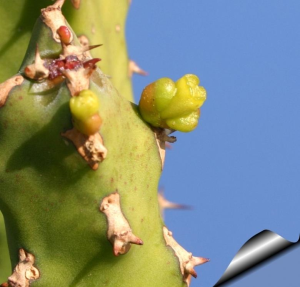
(91, 148)
(37, 71)
(24, 273)
(119, 232)
(7, 86)
(187, 261)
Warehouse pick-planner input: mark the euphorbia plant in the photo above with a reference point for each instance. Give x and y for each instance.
(80, 166)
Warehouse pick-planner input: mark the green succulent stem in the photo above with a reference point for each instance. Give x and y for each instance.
(50, 197)
(80, 167)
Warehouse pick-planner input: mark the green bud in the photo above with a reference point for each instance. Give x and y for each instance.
(84, 105)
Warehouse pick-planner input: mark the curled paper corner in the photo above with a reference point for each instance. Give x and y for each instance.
(257, 249)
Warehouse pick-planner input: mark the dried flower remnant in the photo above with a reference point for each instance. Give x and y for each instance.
(186, 260)
(119, 232)
(162, 137)
(24, 273)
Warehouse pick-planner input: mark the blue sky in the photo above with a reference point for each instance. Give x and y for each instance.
(240, 168)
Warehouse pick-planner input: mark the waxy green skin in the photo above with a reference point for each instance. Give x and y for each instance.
(17, 20)
(50, 197)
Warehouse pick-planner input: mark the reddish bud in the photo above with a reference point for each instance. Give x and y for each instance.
(64, 34)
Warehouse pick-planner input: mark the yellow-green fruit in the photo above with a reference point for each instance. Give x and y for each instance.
(155, 98)
(185, 124)
(84, 105)
(188, 98)
(172, 105)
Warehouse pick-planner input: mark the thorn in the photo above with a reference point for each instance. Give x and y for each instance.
(88, 48)
(186, 260)
(165, 204)
(78, 51)
(119, 232)
(90, 64)
(134, 68)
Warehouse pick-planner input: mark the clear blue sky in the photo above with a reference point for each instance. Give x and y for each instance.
(240, 168)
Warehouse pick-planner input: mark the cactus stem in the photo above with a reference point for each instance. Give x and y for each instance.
(186, 260)
(7, 86)
(25, 272)
(119, 232)
(54, 19)
(134, 68)
(76, 4)
(91, 147)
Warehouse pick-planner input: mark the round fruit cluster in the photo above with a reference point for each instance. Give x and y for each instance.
(172, 105)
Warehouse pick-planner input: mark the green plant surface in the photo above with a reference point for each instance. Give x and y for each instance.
(17, 20)
(103, 22)
(5, 268)
(50, 197)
